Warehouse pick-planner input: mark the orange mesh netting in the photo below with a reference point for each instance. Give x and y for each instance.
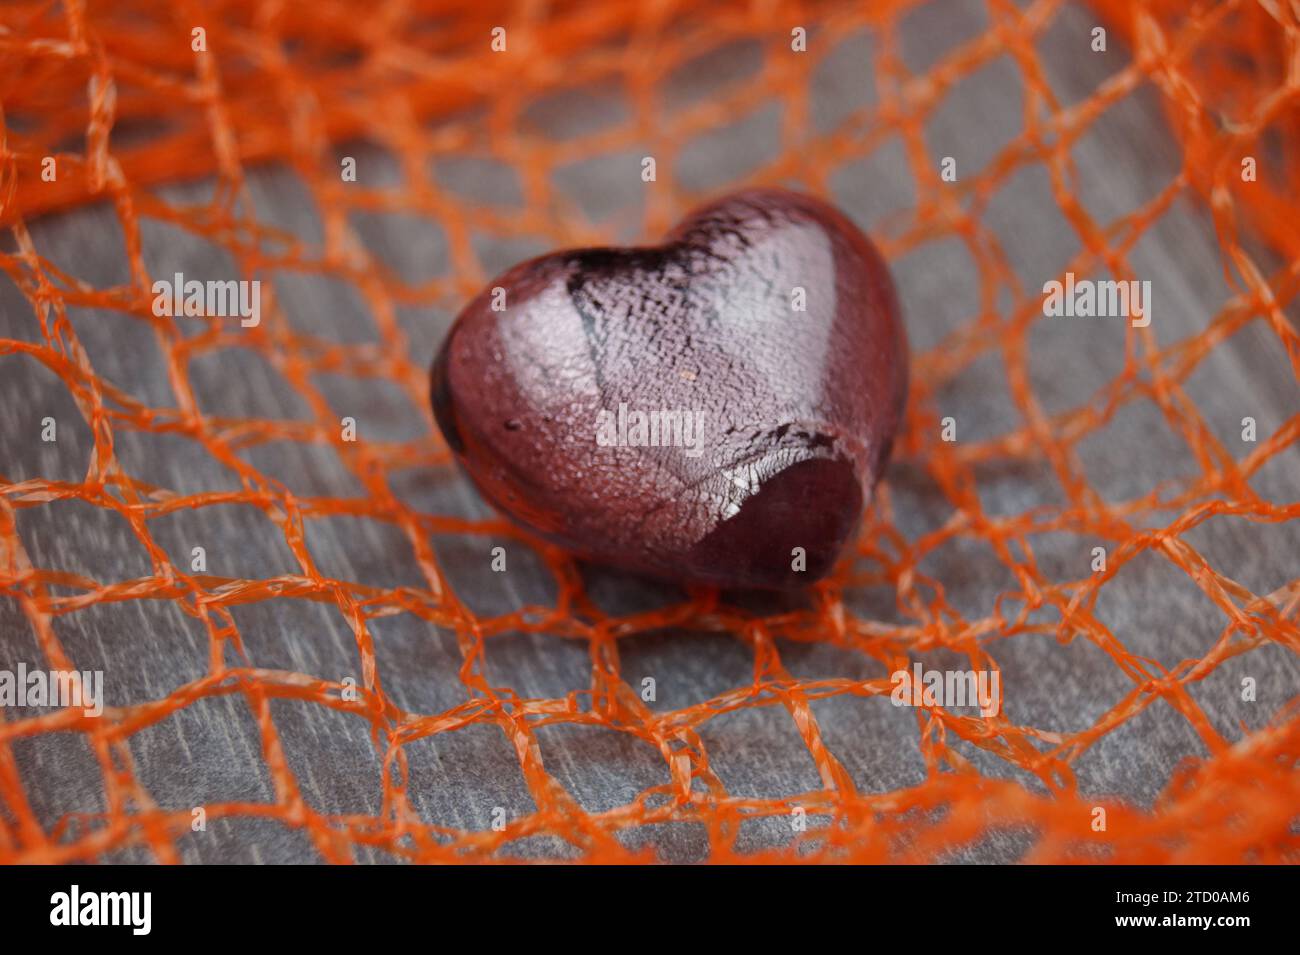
(115, 92)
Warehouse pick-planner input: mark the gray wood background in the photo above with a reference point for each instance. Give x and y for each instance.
(211, 751)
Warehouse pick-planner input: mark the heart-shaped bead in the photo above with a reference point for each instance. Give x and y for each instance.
(716, 409)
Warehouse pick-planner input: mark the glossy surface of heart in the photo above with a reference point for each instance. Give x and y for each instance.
(762, 341)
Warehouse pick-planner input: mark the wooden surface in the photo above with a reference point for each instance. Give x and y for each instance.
(211, 751)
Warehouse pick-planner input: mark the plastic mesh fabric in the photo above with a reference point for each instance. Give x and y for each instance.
(285, 81)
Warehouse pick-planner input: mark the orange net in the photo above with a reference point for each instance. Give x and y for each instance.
(119, 97)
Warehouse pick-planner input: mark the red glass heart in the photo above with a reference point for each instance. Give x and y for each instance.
(763, 344)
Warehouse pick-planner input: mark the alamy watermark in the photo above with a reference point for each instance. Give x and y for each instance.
(75, 907)
(65, 688)
(658, 428)
(1088, 298)
(947, 688)
(221, 299)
